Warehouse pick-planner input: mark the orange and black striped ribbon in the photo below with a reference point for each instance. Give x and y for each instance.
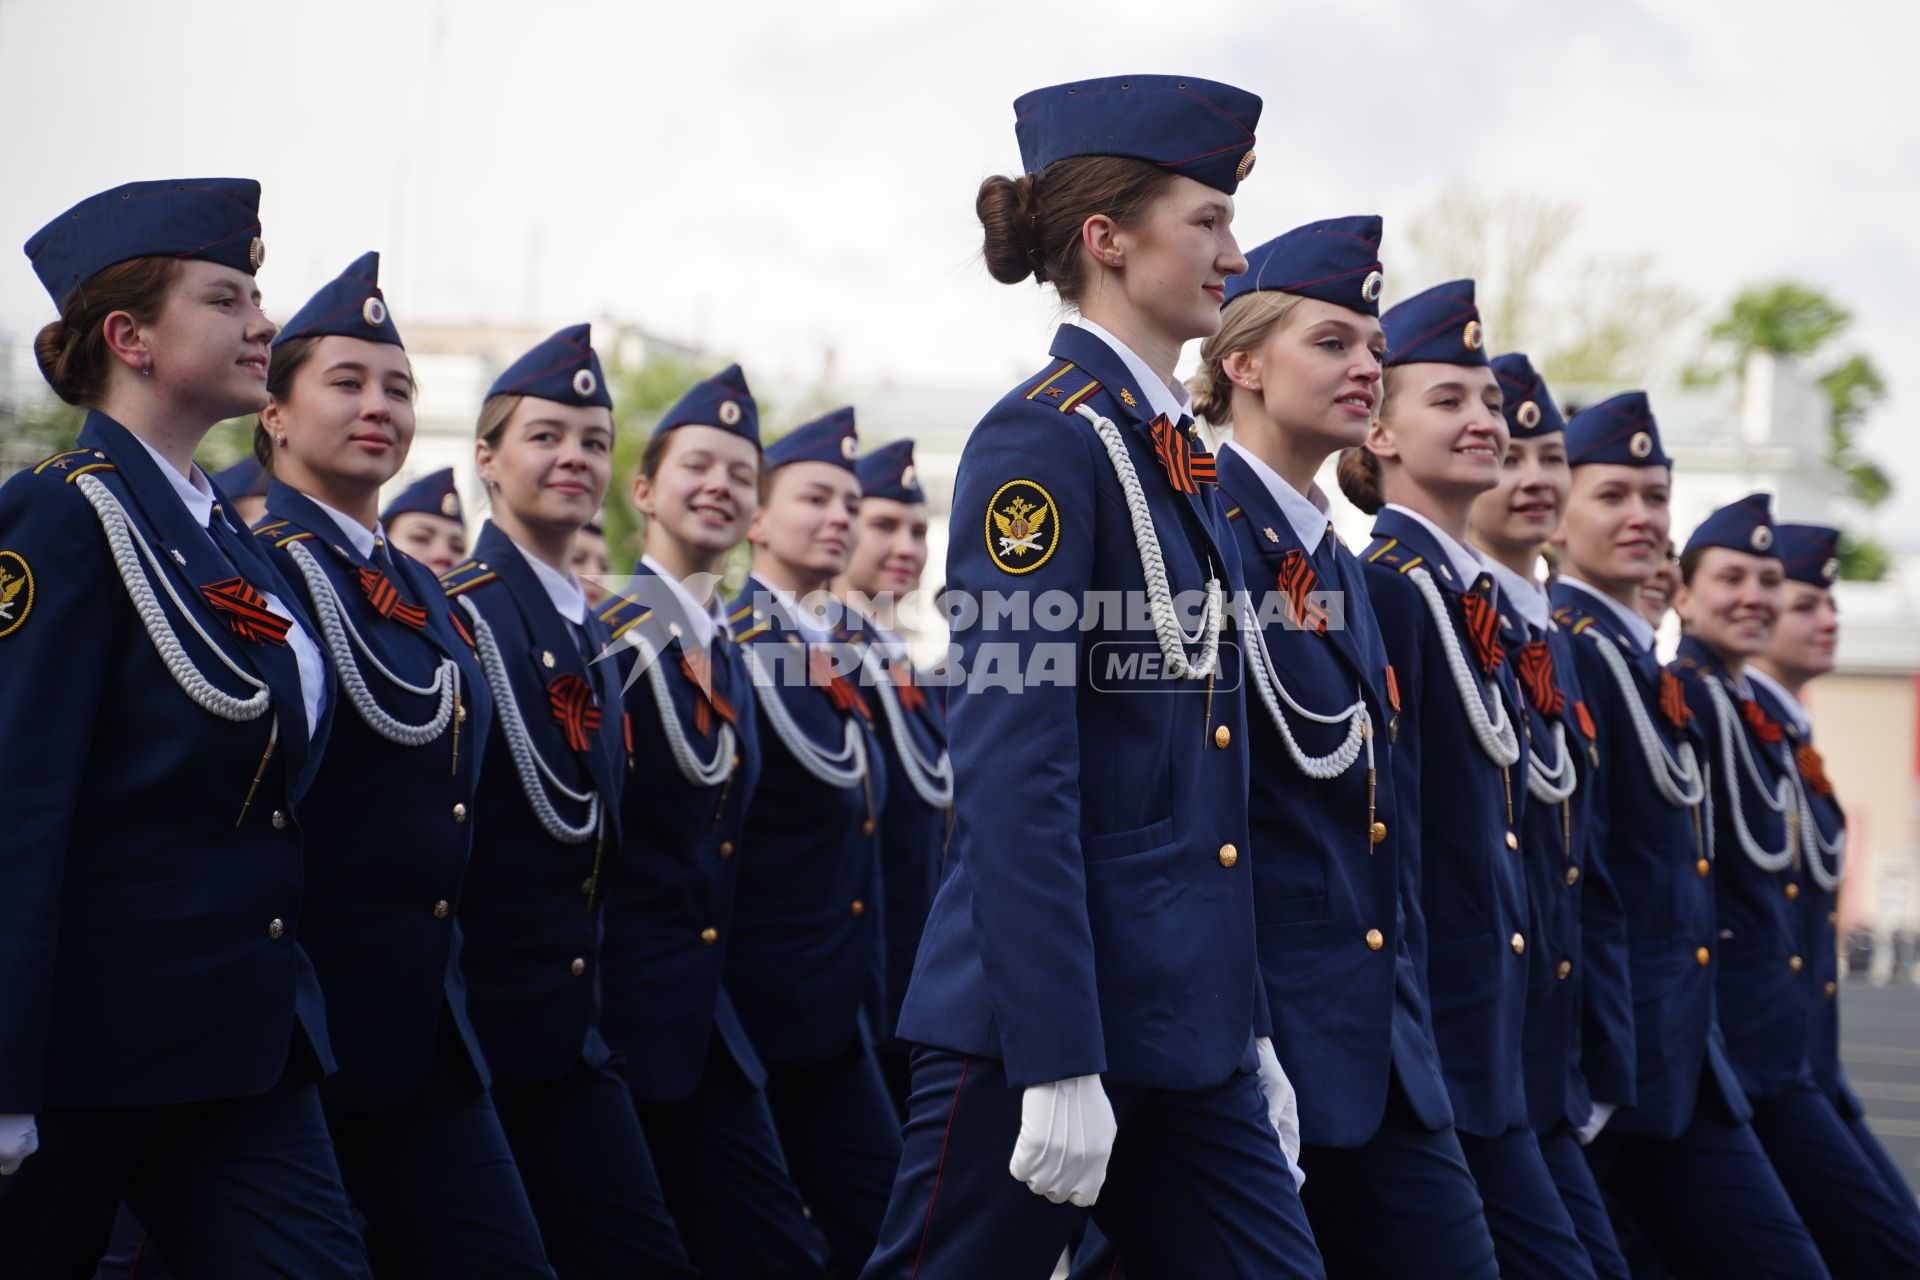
(1585, 717)
(459, 627)
(1393, 689)
(1764, 727)
(1534, 666)
(386, 601)
(821, 675)
(1187, 462)
(912, 697)
(245, 610)
(1813, 768)
(1298, 583)
(698, 669)
(571, 699)
(1483, 629)
(1673, 700)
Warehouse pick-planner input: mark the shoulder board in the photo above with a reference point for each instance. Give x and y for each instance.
(1235, 514)
(1389, 552)
(269, 529)
(739, 614)
(622, 614)
(1564, 615)
(464, 577)
(1063, 386)
(755, 631)
(73, 463)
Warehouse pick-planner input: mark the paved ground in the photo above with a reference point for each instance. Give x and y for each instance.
(1880, 1045)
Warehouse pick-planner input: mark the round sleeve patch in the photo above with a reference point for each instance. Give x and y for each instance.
(1023, 526)
(16, 592)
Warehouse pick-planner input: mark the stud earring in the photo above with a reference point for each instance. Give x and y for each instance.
(280, 440)
(146, 370)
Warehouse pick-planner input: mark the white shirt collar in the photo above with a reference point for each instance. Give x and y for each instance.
(562, 588)
(1796, 712)
(195, 493)
(704, 619)
(1466, 562)
(1306, 513)
(359, 535)
(1528, 598)
(1172, 399)
(1638, 627)
(811, 628)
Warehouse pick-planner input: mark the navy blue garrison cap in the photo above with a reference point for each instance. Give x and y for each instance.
(1199, 128)
(887, 472)
(244, 479)
(1619, 431)
(431, 495)
(214, 219)
(1811, 552)
(721, 401)
(826, 439)
(1440, 326)
(1337, 261)
(348, 306)
(564, 369)
(1529, 407)
(1745, 525)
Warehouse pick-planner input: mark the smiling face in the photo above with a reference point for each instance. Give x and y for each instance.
(702, 492)
(1616, 526)
(1520, 513)
(804, 532)
(1317, 374)
(1656, 593)
(550, 465)
(1441, 436)
(347, 417)
(1807, 633)
(891, 552)
(1177, 259)
(435, 541)
(208, 348)
(590, 564)
(1731, 601)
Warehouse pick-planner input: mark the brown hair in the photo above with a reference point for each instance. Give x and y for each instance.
(1245, 324)
(286, 360)
(72, 351)
(1359, 470)
(1690, 563)
(1033, 222)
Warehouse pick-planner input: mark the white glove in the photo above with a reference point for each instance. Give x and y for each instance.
(19, 1138)
(1602, 1112)
(1283, 1107)
(1066, 1139)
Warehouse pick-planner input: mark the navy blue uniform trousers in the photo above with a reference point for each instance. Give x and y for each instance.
(587, 1170)
(1580, 1193)
(239, 1187)
(1533, 1233)
(1708, 1202)
(1861, 1226)
(841, 1136)
(726, 1178)
(1196, 1186)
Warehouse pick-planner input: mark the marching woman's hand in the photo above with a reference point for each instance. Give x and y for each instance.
(1066, 1139)
(19, 1138)
(1283, 1107)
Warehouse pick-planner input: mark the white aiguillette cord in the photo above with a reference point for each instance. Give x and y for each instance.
(1776, 798)
(842, 770)
(1494, 730)
(701, 773)
(932, 781)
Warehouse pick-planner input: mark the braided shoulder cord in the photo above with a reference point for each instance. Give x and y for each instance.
(843, 770)
(1679, 780)
(701, 773)
(1776, 800)
(1494, 729)
(1266, 679)
(932, 782)
(1552, 786)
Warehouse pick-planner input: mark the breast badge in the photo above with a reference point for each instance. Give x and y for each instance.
(1022, 527)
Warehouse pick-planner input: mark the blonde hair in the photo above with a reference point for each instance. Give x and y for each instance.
(1246, 323)
(493, 418)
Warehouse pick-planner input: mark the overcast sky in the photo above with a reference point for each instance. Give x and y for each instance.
(769, 179)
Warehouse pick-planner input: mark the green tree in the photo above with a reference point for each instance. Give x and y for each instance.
(1786, 318)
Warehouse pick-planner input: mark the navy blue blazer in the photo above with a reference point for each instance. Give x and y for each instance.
(1096, 913)
(532, 906)
(1656, 856)
(1462, 863)
(1565, 890)
(151, 893)
(913, 831)
(1341, 978)
(805, 964)
(1820, 906)
(1764, 986)
(388, 827)
(670, 911)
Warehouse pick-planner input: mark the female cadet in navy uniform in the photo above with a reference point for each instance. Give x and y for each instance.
(1731, 588)
(1296, 371)
(425, 522)
(160, 1018)
(1461, 769)
(1800, 650)
(694, 760)
(804, 964)
(1087, 1000)
(1578, 944)
(1681, 1158)
(555, 763)
(888, 557)
(392, 805)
